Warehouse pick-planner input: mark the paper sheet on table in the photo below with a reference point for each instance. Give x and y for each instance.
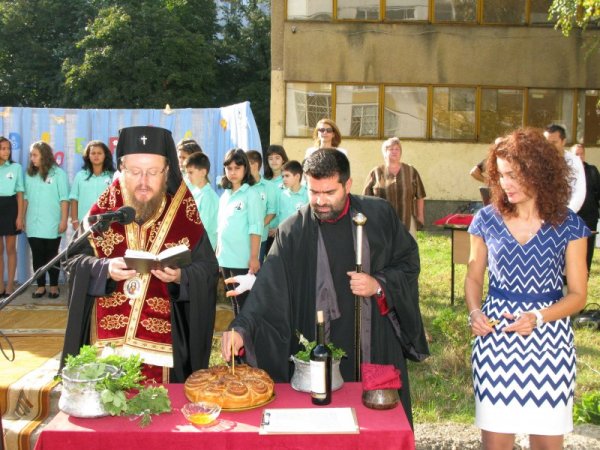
(309, 420)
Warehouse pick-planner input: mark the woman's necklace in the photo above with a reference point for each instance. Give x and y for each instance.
(534, 228)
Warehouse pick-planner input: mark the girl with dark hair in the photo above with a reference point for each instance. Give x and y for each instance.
(11, 219)
(523, 355)
(276, 158)
(95, 176)
(46, 212)
(240, 222)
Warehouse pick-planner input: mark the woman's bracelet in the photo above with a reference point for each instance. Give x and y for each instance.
(469, 318)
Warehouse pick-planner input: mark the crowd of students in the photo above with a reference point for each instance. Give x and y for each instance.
(240, 224)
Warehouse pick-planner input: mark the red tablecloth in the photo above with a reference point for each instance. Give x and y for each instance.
(378, 429)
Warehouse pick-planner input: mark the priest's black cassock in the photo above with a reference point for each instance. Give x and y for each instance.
(283, 298)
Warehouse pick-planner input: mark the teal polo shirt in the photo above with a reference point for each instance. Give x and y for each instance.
(290, 202)
(276, 188)
(267, 197)
(43, 203)
(11, 179)
(240, 215)
(87, 190)
(207, 202)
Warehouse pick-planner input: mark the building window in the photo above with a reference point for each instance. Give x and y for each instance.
(546, 106)
(501, 111)
(405, 112)
(356, 110)
(396, 10)
(455, 11)
(588, 117)
(453, 113)
(306, 104)
(538, 12)
(309, 10)
(358, 9)
(510, 12)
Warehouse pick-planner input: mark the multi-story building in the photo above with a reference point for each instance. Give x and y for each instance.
(446, 76)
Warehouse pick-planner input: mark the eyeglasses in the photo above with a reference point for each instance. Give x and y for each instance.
(325, 130)
(150, 173)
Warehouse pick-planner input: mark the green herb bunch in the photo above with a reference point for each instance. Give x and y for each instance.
(114, 389)
(304, 355)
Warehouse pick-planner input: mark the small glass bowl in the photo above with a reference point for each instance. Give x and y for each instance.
(201, 414)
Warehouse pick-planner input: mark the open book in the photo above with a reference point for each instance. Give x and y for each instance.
(143, 262)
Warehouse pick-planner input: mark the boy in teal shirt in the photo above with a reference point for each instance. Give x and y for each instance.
(294, 196)
(267, 195)
(197, 166)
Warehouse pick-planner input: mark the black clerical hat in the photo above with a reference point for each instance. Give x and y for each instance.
(153, 140)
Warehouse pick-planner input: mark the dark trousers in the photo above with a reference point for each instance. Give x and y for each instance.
(42, 251)
(592, 223)
(591, 241)
(237, 302)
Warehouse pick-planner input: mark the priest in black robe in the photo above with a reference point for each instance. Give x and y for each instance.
(311, 267)
(165, 316)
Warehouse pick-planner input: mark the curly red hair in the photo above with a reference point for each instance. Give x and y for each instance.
(539, 167)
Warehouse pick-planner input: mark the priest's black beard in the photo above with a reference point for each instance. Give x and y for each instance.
(144, 210)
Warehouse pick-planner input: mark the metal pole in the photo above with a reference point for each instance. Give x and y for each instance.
(359, 220)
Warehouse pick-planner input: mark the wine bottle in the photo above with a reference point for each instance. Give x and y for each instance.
(320, 367)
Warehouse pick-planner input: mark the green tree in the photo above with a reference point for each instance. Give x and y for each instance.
(244, 56)
(35, 38)
(142, 54)
(574, 12)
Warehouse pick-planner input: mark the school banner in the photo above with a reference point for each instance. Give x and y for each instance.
(217, 130)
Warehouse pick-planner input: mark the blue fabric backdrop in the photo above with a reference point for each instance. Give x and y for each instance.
(217, 130)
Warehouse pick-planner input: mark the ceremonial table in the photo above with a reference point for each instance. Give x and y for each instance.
(388, 429)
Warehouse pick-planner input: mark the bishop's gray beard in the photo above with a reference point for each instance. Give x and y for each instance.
(144, 210)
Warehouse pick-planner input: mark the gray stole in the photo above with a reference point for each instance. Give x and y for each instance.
(327, 297)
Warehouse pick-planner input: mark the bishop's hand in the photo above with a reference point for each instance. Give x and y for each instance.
(118, 270)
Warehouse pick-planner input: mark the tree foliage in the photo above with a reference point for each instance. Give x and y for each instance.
(244, 55)
(142, 54)
(581, 13)
(35, 37)
(136, 54)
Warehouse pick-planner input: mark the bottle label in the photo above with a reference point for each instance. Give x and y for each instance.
(318, 376)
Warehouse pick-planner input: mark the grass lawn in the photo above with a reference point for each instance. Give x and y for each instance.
(441, 386)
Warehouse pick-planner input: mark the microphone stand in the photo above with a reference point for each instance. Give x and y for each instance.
(359, 220)
(100, 226)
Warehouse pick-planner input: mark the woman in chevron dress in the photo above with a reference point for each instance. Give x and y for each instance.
(523, 357)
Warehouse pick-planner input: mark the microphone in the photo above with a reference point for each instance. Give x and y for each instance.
(124, 215)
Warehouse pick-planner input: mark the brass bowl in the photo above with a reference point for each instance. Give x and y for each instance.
(381, 398)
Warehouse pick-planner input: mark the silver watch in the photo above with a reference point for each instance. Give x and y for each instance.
(539, 319)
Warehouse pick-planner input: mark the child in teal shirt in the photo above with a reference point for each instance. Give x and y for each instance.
(95, 176)
(267, 193)
(197, 166)
(294, 196)
(46, 209)
(11, 219)
(240, 221)
(276, 158)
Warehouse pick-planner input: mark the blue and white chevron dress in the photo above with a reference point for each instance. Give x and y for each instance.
(524, 384)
